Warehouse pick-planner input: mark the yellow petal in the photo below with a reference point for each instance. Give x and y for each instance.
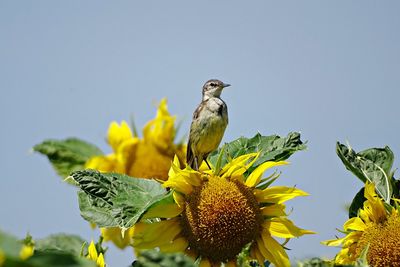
(26, 252)
(118, 134)
(279, 255)
(278, 194)
(256, 254)
(238, 165)
(114, 234)
(151, 235)
(355, 224)
(100, 260)
(369, 191)
(2, 258)
(177, 245)
(333, 242)
(205, 263)
(284, 228)
(107, 163)
(255, 177)
(169, 210)
(92, 251)
(179, 185)
(274, 210)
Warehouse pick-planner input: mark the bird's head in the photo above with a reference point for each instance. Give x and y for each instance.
(213, 88)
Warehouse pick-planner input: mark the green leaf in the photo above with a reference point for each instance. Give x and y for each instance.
(58, 258)
(373, 165)
(271, 148)
(357, 203)
(67, 155)
(63, 242)
(110, 199)
(10, 246)
(153, 258)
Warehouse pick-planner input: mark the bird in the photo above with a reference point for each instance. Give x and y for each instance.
(209, 122)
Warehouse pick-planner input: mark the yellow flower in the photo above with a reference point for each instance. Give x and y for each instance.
(2, 258)
(26, 252)
(94, 256)
(216, 215)
(376, 229)
(147, 157)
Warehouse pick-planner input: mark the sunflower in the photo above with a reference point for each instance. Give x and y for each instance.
(375, 230)
(147, 157)
(216, 214)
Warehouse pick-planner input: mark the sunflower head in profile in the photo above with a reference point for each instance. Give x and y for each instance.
(375, 231)
(216, 214)
(146, 157)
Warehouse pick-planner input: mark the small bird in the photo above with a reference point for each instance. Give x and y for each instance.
(208, 125)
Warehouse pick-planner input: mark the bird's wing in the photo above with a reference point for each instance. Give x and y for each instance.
(191, 159)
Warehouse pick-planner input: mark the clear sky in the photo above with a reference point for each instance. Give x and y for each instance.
(330, 69)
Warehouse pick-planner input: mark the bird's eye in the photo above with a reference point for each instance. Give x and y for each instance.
(213, 84)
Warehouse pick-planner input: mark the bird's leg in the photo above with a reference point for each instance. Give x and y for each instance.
(207, 164)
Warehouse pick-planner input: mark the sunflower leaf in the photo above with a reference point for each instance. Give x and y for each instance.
(271, 148)
(373, 165)
(110, 199)
(45, 255)
(152, 258)
(67, 155)
(357, 203)
(63, 242)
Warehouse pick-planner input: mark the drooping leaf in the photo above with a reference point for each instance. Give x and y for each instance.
(153, 258)
(373, 165)
(110, 199)
(67, 155)
(357, 203)
(51, 258)
(11, 247)
(271, 148)
(72, 244)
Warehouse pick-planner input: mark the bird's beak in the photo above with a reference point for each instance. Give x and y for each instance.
(225, 85)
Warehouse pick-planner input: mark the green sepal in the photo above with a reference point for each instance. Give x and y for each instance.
(67, 155)
(373, 165)
(271, 148)
(111, 199)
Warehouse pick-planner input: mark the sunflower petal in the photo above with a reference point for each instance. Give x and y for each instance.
(278, 194)
(273, 251)
(284, 228)
(355, 224)
(163, 211)
(117, 134)
(177, 245)
(238, 165)
(150, 235)
(274, 210)
(255, 177)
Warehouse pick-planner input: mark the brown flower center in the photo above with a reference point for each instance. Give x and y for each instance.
(220, 218)
(384, 243)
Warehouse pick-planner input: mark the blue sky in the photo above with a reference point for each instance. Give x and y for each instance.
(330, 69)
